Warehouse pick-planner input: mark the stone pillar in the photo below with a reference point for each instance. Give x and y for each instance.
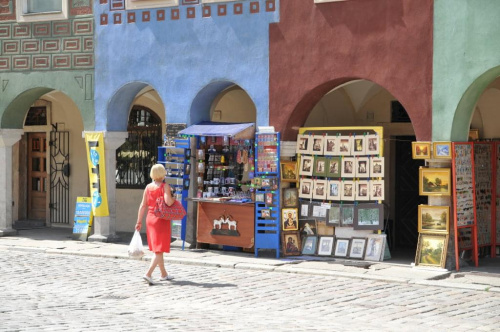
(105, 227)
(8, 137)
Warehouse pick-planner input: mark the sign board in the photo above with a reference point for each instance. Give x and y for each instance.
(83, 218)
(172, 129)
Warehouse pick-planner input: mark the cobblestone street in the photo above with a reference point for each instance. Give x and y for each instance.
(44, 292)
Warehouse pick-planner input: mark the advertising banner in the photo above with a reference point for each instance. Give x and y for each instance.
(97, 173)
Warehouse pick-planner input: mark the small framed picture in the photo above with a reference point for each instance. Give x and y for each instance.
(377, 167)
(290, 197)
(358, 145)
(289, 219)
(185, 184)
(320, 189)
(348, 170)
(187, 169)
(259, 197)
(369, 217)
(325, 245)
(200, 154)
(317, 145)
(307, 227)
(333, 192)
(305, 210)
(257, 182)
(269, 198)
(375, 247)
(266, 183)
(289, 171)
(473, 134)
(347, 215)
(345, 143)
(200, 167)
(319, 211)
(306, 188)
(309, 245)
(347, 190)
(266, 213)
(377, 190)
(357, 248)
(341, 247)
(303, 144)
(431, 250)
(362, 167)
(290, 243)
(372, 145)
(333, 216)
(433, 219)
(333, 170)
(306, 165)
(362, 190)
(331, 146)
(441, 150)
(319, 166)
(421, 150)
(434, 181)
(187, 153)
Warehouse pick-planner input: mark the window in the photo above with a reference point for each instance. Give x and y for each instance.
(41, 10)
(139, 4)
(138, 154)
(37, 116)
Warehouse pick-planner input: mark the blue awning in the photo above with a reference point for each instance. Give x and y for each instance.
(209, 128)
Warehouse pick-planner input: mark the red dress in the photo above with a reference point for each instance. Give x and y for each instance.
(157, 229)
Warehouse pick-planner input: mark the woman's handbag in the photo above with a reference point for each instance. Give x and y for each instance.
(173, 212)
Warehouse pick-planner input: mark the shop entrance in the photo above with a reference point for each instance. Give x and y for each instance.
(37, 175)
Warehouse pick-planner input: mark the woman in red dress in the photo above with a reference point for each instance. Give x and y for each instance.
(157, 229)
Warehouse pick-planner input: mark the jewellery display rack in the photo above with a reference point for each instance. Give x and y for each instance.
(267, 223)
(176, 160)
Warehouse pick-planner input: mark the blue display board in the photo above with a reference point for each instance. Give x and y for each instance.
(83, 218)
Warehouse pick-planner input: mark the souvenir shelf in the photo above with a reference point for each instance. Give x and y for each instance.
(267, 207)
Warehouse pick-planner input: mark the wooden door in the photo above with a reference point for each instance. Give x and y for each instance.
(37, 176)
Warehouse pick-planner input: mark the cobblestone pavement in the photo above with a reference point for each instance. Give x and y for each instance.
(46, 292)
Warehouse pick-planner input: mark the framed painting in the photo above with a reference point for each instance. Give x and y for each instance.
(269, 198)
(334, 167)
(362, 167)
(358, 145)
(306, 188)
(441, 150)
(431, 250)
(317, 145)
(325, 245)
(348, 164)
(341, 247)
(307, 227)
(265, 213)
(473, 134)
(357, 249)
(333, 192)
(290, 242)
(377, 167)
(347, 190)
(309, 245)
(319, 166)
(289, 219)
(375, 247)
(362, 190)
(345, 143)
(305, 210)
(318, 211)
(289, 171)
(433, 219)
(290, 197)
(372, 145)
(347, 215)
(377, 192)
(369, 217)
(320, 189)
(187, 169)
(421, 150)
(303, 145)
(434, 181)
(333, 218)
(331, 146)
(324, 229)
(259, 197)
(306, 165)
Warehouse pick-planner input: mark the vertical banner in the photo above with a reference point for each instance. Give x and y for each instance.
(97, 173)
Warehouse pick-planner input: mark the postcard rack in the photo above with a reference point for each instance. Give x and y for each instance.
(267, 202)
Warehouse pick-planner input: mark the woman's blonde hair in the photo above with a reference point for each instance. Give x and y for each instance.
(157, 172)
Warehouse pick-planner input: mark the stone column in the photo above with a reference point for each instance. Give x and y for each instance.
(105, 227)
(8, 137)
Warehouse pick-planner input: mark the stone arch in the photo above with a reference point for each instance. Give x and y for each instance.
(13, 116)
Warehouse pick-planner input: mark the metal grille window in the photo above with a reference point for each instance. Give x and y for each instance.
(137, 155)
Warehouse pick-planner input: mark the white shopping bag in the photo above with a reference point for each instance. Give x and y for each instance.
(135, 249)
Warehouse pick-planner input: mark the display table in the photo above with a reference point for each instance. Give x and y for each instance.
(226, 223)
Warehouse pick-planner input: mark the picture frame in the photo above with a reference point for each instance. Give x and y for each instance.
(372, 145)
(441, 150)
(187, 169)
(290, 197)
(473, 134)
(305, 210)
(375, 247)
(369, 216)
(358, 246)
(331, 146)
(333, 190)
(334, 167)
(257, 182)
(290, 242)
(269, 198)
(259, 197)
(320, 189)
(303, 144)
(200, 154)
(289, 171)
(362, 167)
(341, 247)
(345, 144)
(317, 145)
(307, 227)
(431, 250)
(323, 229)
(421, 150)
(334, 214)
(320, 166)
(318, 211)
(348, 167)
(325, 246)
(185, 184)
(362, 190)
(200, 167)
(347, 190)
(309, 245)
(377, 190)
(433, 219)
(347, 215)
(289, 219)
(434, 181)
(265, 183)
(377, 167)
(187, 153)
(265, 213)
(358, 145)
(306, 188)
(306, 165)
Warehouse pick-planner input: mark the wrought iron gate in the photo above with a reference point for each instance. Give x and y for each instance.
(59, 177)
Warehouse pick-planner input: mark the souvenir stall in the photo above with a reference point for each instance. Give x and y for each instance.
(223, 167)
